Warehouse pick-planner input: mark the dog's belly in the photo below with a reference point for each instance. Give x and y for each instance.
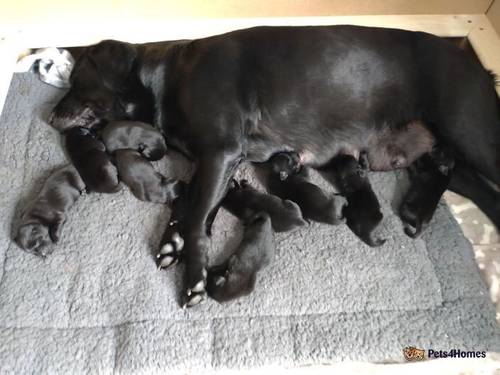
(316, 147)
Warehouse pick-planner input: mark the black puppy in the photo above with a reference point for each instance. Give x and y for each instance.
(89, 157)
(430, 176)
(242, 200)
(142, 179)
(285, 164)
(42, 221)
(362, 211)
(237, 276)
(134, 135)
(289, 180)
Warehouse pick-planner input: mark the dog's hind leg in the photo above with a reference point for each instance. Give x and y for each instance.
(466, 182)
(206, 190)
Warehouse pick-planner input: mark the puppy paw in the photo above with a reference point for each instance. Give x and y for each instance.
(170, 252)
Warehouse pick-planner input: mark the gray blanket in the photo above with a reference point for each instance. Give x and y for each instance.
(98, 303)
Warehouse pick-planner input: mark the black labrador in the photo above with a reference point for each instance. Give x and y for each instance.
(320, 91)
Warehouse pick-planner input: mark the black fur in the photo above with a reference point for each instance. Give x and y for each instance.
(249, 94)
(314, 203)
(243, 201)
(362, 212)
(43, 219)
(237, 276)
(142, 179)
(285, 164)
(134, 135)
(89, 157)
(430, 176)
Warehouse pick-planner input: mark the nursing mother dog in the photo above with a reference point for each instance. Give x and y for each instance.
(318, 91)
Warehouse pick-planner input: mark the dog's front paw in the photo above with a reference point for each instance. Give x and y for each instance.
(171, 251)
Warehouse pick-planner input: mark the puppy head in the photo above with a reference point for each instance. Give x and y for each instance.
(80, 140)
(99, 80)
(285, 164)
(444, 160)
(34, 238)
(153, 152)
(348, 173)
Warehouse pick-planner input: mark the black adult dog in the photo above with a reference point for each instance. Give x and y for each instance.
(248, 94)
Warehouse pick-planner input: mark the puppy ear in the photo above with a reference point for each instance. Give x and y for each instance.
(114, 60)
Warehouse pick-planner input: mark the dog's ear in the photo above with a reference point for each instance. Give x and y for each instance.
(114, 61)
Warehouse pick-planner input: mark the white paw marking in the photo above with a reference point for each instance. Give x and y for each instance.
(167, 249)
(165, 262)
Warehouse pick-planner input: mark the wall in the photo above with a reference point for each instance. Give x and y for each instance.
(494, 15)
(29, 12)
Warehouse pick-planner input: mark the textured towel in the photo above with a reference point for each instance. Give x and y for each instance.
(98, 303)
(53, 66)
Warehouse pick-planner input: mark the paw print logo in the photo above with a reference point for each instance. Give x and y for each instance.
(413, 354)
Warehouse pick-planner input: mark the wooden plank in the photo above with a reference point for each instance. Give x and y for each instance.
(494, 15)
(486, 44)
(141, 31)
(86, 12)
